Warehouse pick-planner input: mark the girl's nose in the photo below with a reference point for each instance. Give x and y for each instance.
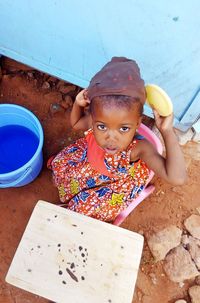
(111, 135)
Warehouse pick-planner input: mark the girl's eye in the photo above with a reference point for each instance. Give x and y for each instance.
(101, 127)
(124, 129)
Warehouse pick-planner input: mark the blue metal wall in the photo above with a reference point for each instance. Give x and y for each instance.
(73, 39)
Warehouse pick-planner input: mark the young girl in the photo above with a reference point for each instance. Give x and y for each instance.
(101, 174)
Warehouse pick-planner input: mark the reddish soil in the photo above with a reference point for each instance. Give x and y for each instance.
(167, 205)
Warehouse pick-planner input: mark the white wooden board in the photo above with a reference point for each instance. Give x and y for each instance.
(67, 257)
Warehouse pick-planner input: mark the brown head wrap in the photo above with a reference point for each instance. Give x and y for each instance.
(120, 76)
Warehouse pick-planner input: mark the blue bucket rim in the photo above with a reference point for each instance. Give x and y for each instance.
(41, 140)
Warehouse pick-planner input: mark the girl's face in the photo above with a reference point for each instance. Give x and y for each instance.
(114, 128)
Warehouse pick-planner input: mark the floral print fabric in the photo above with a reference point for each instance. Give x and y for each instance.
(89, 192)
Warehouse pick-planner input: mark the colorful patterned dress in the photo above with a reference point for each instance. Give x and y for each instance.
(97, 184)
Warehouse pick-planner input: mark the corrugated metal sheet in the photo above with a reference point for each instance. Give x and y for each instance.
(73, 39)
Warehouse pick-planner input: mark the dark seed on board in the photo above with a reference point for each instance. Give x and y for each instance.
(71, 274)
(72, 265)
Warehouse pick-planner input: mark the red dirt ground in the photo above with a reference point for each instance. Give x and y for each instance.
(167, 205)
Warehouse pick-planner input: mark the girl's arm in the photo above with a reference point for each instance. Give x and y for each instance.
(78, 118)
(172, 168)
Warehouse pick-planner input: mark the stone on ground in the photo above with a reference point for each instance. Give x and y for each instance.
(192, 224)
(193, 246)
(179, 265)
(184, 137)
(65, 89)
(163, 241)
(198, 209)
(194, 293)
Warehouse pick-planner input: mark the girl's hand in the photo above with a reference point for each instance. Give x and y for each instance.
(82, 98)
(163, 123)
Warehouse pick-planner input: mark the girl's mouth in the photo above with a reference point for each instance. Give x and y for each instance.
(111, 150)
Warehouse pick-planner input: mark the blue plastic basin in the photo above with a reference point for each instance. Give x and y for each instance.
(12, 115)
